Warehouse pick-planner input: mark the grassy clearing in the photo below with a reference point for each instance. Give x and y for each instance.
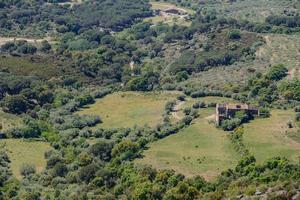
(266, 138)
(126, 109)
(23, 151)
(201, 149)
(169, 19)
(8, 121)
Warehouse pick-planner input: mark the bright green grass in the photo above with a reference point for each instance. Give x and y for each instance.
(268, 137)
(22, 151)
(8, 121)
(126, 109)
(201, 149)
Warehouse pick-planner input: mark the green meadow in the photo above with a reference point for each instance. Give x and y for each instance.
(126, 109)
(25, 151)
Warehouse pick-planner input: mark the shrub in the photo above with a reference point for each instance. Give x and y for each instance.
(264, 112)
(298, 117)
(169, 106)
(88, 172)
(181, 97)
(101, 150)
(59, 169)
(187, 120)
(290, 89)
(297, 109)
(125, 149)
(102, 93)
(242, 115)
(181, 76)
(187, 111)
(27, 169)
(16, 104)
(234, 35)
(85, 100)
(277, 72)
(230, 124)
(199, 105)
(198, 94)
(194, 113)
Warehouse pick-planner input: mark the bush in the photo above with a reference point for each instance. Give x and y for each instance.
(234, 35)
(277, 72)
(102, 93)
(242, 115)
(16, 104)
(181, 98)
(27, 169)
(298, 117)
(169, 106)
(230, 124)
(194, 113)
(264, 112)
(88, 172)
(187, 111)
(59, 169)
(101, 150)
(187, 120)
(297, 109)
(290, 89)
(199, 105)
(85, 100)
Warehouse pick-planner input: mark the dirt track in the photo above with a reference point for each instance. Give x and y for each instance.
(4, 40)
(176, 109)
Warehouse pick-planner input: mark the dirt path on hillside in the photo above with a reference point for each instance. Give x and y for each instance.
(4, 40)
(294, 73)
(132, 68)
(211, 117)
(72, 3)
(176, 109)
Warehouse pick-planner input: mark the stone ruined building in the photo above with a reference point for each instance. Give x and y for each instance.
(228, 110)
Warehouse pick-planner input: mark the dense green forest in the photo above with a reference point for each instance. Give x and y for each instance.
(60, 57)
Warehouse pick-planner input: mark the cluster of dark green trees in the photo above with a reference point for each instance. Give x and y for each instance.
(95, 163)
(19, 94)
(42, 17)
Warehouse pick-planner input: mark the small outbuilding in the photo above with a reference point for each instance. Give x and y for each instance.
(228, 110)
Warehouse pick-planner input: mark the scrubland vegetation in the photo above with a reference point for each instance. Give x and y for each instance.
(110, 100)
